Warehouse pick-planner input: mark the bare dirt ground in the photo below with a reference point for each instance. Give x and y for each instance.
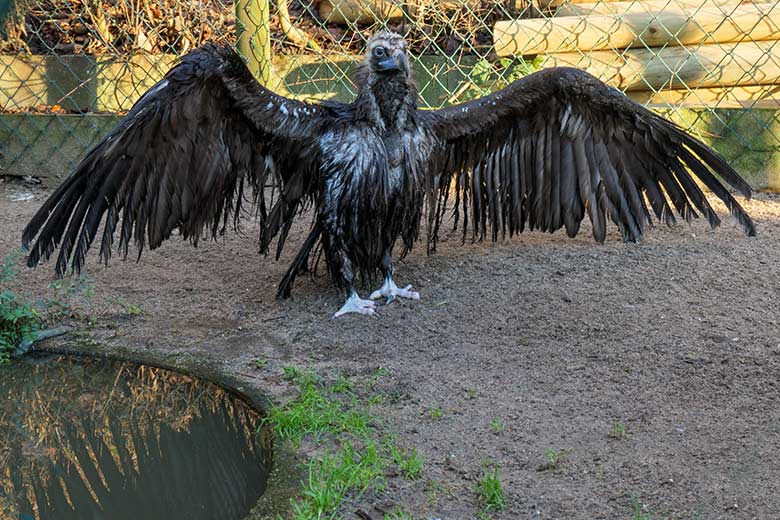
(537, 343)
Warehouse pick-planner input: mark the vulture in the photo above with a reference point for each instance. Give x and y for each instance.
(208, 144)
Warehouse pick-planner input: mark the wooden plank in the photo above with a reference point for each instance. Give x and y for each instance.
(121, 82)
(650, 6)
(755, 96)
(619, 31)
(79, 82)
(731, 64)
(28, 81)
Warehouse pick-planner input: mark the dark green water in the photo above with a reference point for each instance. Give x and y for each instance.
(91, 440)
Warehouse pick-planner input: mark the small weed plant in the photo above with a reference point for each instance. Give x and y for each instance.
(618, 430)
(19, 321)
(408, 461)
(69, 298)
(554, 458)
(497, 425)
(435, 413)
(260, 363)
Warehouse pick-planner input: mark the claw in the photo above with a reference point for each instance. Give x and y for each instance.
(355, 304)
(390, 291)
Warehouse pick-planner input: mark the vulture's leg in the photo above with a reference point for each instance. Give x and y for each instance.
(389, 289)
(339, 262)
(354, 302)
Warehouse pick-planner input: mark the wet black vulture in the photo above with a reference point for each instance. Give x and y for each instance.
(540, 154)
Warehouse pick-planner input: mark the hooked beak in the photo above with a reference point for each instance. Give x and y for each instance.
(393, 63)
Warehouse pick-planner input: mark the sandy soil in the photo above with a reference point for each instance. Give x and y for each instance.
(558, 339)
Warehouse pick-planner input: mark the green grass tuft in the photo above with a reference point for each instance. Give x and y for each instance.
(491, 495)
(292, 373)
(435, 413)
(314, 413)
(497, 425)
(342, 385)
(409, 462)
(333, 476)
(333, 416)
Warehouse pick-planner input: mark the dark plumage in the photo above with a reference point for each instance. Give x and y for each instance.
(539, 154)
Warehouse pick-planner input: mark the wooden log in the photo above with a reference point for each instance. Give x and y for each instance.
(730, 64)
(753, 96)
(613, 31)
(371, 11)
(573, 8)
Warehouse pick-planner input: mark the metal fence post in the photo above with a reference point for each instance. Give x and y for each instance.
(254, 37)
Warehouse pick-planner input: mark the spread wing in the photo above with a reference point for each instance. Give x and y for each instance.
(182, 159)
(559, 144)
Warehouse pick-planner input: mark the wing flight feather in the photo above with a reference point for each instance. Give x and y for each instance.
(183, 158)
(558, 145)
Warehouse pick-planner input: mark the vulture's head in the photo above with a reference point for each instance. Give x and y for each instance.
(386, 55)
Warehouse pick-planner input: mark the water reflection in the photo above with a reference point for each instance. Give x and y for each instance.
(93, 440)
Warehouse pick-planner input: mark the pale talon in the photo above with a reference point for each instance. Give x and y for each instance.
(357, 305)
(390, 291)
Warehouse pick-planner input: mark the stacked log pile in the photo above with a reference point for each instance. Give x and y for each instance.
(722, 52)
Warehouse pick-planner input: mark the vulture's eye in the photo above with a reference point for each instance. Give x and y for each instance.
(379, 52)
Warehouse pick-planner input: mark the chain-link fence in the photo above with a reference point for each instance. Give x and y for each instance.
(68, 67)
